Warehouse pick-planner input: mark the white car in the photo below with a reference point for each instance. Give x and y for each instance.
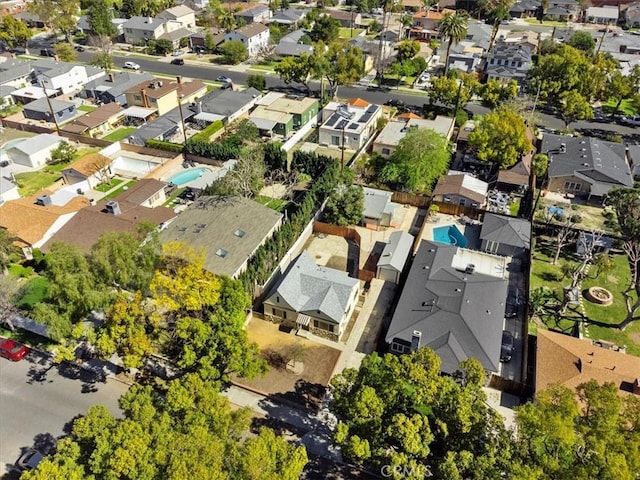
(131, 65)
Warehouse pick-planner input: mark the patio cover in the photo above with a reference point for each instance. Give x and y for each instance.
(303, 320)
(263, 123)
(139, 112)
(208, 117)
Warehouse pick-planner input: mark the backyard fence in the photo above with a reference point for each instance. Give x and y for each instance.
(26, 127)
(344, 232)
(406, 198)
(457, 210)
(509, 386)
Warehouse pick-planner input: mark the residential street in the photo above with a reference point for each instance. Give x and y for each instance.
(37, 401)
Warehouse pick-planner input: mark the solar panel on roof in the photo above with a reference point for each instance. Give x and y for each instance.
(334, 118)
(342, 124)
(365, 118)
(372, 108)
(353, 126)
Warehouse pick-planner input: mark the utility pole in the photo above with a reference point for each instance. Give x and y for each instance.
(342, 159)
(184, 131)
(53, 114)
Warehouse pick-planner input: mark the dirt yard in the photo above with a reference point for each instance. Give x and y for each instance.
(277, 347)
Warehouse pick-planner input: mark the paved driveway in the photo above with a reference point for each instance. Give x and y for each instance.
(37, 400)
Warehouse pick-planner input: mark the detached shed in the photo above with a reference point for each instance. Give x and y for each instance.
(394, 257)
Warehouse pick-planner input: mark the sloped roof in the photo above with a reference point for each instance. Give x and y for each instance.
(176, 34)
(313, 289)
(14, 68)
(518, 174)
(175, 12)
(463, 185)
(41, 105)
(294, 49)
(144, 23)
(122, 81)
(227, 102)
(396, 251)
(358, 102)
(506, 230)
(97, 117)
(570, 361)
(89, 164)
(38, 143)
(376, 202)
(141, 191)
(459, 315)
(251, 30)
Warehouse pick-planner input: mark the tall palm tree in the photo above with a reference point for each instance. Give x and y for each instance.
(404, 22)
(454, 28)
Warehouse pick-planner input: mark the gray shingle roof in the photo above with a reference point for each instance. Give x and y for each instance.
(160, 126)
(294, 49)
(39, 142)
(515, 232)
(309, 288)
(227, 102)
(122, 81)
(41, 105)
(395, 252)
(290, 15)
(459, 315)
(376, 202)
(13, 68)
(144, 23)
(595, 160)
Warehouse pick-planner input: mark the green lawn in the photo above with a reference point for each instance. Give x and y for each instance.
(118, 191)
(350, 33)
(514, 207)
(626, 107)
(616, 279)
(276, 204)
(173, 198)
(262, 68)
(32, 182)
(119, 134)
(547, 23)
(87, 108)
(105, 187)
(35, 292)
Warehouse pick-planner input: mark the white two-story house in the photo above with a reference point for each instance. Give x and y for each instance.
(64, 77)
(255, 36)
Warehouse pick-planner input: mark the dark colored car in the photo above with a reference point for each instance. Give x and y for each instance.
(506, 349)
(30, 459)
(79, 48)
(45, 52)
(177, 61)
(12, 350)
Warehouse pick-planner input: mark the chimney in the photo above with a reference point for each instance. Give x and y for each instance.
(113, 208)
(112, 78)
(145, 100)
(44, 200)
(415, 340)
(149, 20)
(198, 107)
(179, 79)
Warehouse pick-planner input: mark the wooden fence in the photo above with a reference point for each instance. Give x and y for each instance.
(204, 160)
(457, 210)
(345, 232)
(509, 386)
(405, 198)
(26, 127)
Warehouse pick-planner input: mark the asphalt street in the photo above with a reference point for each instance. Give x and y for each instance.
(206, 72)
(37, 400)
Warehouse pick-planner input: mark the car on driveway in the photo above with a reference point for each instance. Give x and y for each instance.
(79, 48)
(506, 349)
(131, 65)
(12, 350)
(223, 79)
(177, 61)
(29, 459)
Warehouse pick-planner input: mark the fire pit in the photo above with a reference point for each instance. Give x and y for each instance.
(599, 295)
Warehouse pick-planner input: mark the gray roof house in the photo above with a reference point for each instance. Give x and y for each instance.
(40, 110)
(506, 236)
(228, 103)
(230, 229)
(289, 16)
(162, 128)
(585, 166)
(259, 13)
(112, 88)
(455, 310)
(634, 158)
(394, 257)
(291, 44)
(378, 208)
(15, 72)
(313, 297)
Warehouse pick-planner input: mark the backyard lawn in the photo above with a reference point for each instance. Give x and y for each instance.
(87, 108)
(32, 182)
(350, 33)
(592, 217)
(105, 187)
(119, 134)
(118, 191)
(615, 279)
(276, 204)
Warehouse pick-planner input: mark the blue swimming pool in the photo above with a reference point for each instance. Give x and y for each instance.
(187, 176)
(450, 235)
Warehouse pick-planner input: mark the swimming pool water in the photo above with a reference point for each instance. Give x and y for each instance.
(449, 235)
(187, 176)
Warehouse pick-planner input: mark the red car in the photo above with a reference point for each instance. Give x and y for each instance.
(12, 350)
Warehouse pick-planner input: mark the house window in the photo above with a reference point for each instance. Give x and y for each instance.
(335, 140)
(284, 314)
(398, 348)
(461, 202)
(572, 186)
(277, 299)
(386, 151)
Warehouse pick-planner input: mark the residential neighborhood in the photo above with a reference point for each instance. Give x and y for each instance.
(318, 240)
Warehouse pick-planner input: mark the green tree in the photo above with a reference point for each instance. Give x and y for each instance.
(453, 28)
(573, 107)
(227, 19)
(257, 81)
(103, 60)
(618, 88)
(407, 49)
(65, 52)
(100, 16)
(583, 41)
(494, 92)
(296, 69)
(340, 64)
(163, 46)
(539, 165)
(46, 10)
(209, 42)
(234, 52)
(63, 153)
(453, 91)
(325, 29)
(345, 206)
(14, 32)
(8, 249)
(420, 158)
(500, 137)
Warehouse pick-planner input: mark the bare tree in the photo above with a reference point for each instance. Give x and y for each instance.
(632, 249)
(101, 165)
(566, 235)
(8, 288)
(589, 245)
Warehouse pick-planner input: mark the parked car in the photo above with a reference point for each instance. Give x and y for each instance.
(177, 61)
(45, 52)
(223, 79)
(79, 48)
(506, 350)
(12, 350)
(394, 103)
(177, 53)
(29, 459)
(631, 120)
(132, 65)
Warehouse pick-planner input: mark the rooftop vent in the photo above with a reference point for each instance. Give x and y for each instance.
(221, 252)
(44, 200)
(470, 269)
(415, 340)
(240, 233)
(113, 208)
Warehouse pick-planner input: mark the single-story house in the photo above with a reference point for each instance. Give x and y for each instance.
(148, 192)
(111, 88)
(292, 45)
(451, 306)
(517, 176)
(314, 298)
(569, 361)
(15, 72)
(388, 139)
(461, 188)
(394, 257)
(503, 235)
(350, 19)
(602, 15)
(257, 14)
(34, 152)
(230, 104)
(585, 166)
(93, 168)
(163, 128)
(378, 208)
(8, 188)
(97, 122)
(41, 109)
(230, 229)
(288, 16)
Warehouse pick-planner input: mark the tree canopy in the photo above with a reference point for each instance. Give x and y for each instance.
(501, 137)
(14, 32)
(345, 205)
(419, 159)
(234, 52)
(186, 430)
